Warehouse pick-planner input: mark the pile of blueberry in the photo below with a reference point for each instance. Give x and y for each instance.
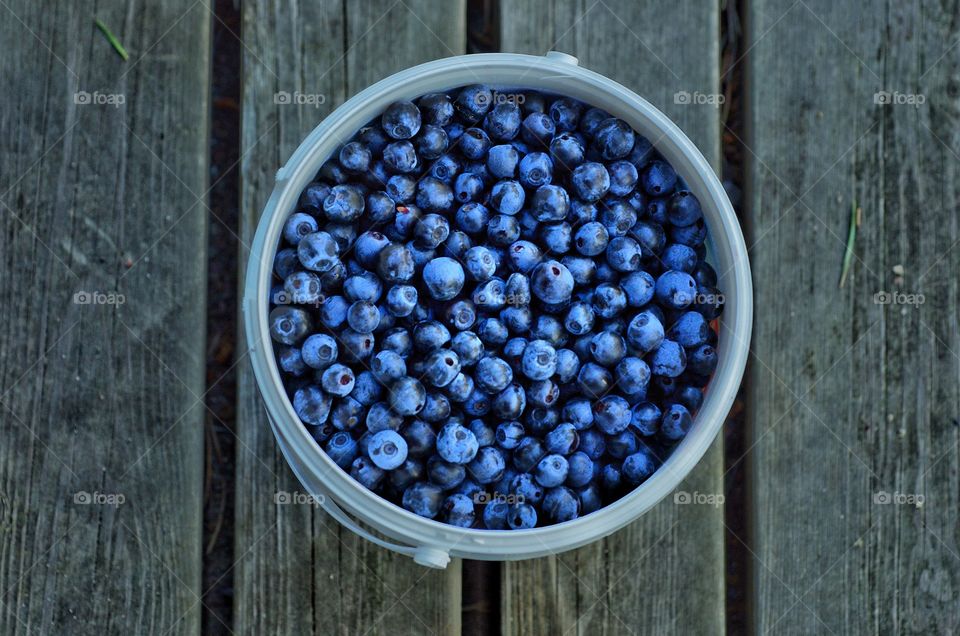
(493, 309)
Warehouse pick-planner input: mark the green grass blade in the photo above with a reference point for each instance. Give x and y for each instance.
(112, 39)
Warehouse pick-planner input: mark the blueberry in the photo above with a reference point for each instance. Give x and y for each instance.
(521, 516)
(342, 449)
(702, 360)
(436, 108)
(650, 236)
(675, 290)
(639, 466)
(507, 197)
(690, 397)
(704, 274)
(624, 254)
(441, 367)
(709, 302)
(645, 332)
(312, 405)
(460, 314)
(485, 433)
(457, 244)
(537, 130)
(536, 169)
(366, 472)
(311, 199)
(591, 239)
(480, 262)
(290, 360)
(387, 449)
(561, 504)
(645, 418)
(592, 443)
(445, 474)
(503, 230)
(690, 329)
(583, 269)
(423, 499)
(303, 288)
(551, 471)
(657, 211)
(338, 379)
(658, 178)
(568, 365)
(590, 120)
(549, 328)
(622, 444)
(590, 181)
(623, 178)
(477, 404)
(285, 262)
(401, 156)
(557, 237)
(502, 161)
(458, 510)
(488, 465)
(407, 396)
(495, 515)
(432, 142)
(363, 316)
(509, 403)
(525, 488)
(565, 113)
(407, 474)
(473, 102)
(468, 348)
(580, 471)
(460, 389)
(345, 204)
(503, 121)
(509, 434)
(611, 477)
(609, 300)
(298, 226)
(668, 359)
(289, 325)
(397, 340)
(318, 251)
(355, 157)
(395, 263)
(457, 444)
(638, 286)
(443, 278)
(527, 454)
(607, 348)
(430, 231)
(434, 195)
(524, 255)
(679, 257)
(562, 440)
(550, 203)
(493, 374)
(551, 282)
(319, 351)
(401, 120)
(633, 376)
(401, 300)
(617, 216)
(401, 188)
(388, 366)
(445, 168)
(420, 438)
(643, 152)
(594, 380)
(430, 335)
(472, 217)
(567, 152)
(684, 208)
(539, 360)
(614, 138)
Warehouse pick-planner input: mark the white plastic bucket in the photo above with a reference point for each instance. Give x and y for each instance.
(429, 542)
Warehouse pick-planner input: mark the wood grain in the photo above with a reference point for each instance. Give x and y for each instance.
(100, 402)
(664, 573)
(853, 402)
(298, 571)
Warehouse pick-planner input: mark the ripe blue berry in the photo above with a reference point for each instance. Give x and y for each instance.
(401, 120)
(521, 516)
(614, 138)
(289, 325)
(387, 449)
(423, 499)
(342, 449)
(443, 278)
(658, 178)
(551, 282)
(668, 359)
(611, 414)
(487, 466)
(560, 504)
(458, 510)
(590, 181)
(312, 405)
(502, 161)
(507, 197)
(407, 396)
(675, 290)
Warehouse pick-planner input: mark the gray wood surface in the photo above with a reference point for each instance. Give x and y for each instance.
(298, 571)
(664, 573)
(854, 402)
(101, 412)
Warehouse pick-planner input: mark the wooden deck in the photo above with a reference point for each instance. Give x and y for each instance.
(847, 517)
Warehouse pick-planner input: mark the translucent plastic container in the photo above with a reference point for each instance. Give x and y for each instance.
(429, 542)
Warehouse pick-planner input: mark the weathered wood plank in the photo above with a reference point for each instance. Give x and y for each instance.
(853, 401)
(100, 407)
(664, 573)
(298, 570)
